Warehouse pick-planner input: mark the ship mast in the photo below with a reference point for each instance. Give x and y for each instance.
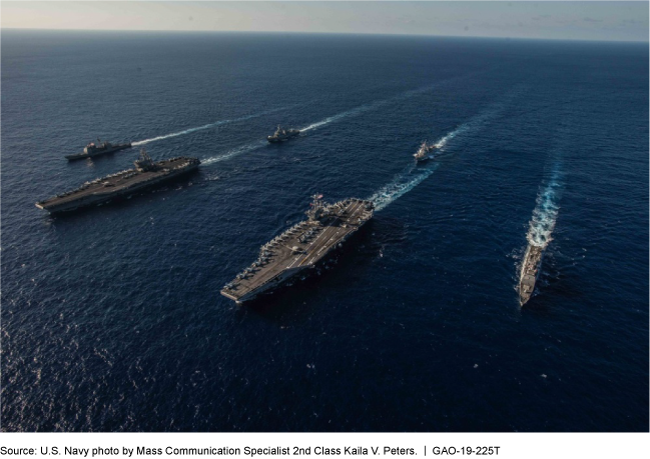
(316, 207)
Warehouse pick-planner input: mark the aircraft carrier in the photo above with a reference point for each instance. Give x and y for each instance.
(101, 148)
(146, 173)
(301, 247)
(530, 269)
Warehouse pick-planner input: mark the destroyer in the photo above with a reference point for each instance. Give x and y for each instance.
(146, 173)
(101, 148)
(281, 135)
(530, 272)
(301, 247)
(423, 152)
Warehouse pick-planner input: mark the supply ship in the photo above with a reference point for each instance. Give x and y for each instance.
(101, 148)
(300, 247)
(423, 152)
(281, 135)
(530, 270)
(146, 173)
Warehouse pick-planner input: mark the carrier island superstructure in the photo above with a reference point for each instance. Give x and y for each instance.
(146, 173)
(300, 247)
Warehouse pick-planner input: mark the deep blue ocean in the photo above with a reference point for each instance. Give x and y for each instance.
(112, 318)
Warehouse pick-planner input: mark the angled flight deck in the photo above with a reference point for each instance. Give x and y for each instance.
(146, 173)
(300, 247)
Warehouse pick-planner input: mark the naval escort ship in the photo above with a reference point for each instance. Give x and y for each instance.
(146, 173)
(423, 152)
(98, 149)
(300, 248)
(281, 135)
(530, 270)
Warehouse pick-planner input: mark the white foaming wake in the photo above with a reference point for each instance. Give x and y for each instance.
(330, 119)
(206, 126)
(232, 153)
(414, 175)
(355, 111)
(402, 184)
(368, 107)
(545, 213)
(443, 142)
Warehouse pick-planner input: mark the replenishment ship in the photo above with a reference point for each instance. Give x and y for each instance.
(301, 247)
(530, 270)
(98, 149)
(281, 135)
(424, 151)
(101, 190)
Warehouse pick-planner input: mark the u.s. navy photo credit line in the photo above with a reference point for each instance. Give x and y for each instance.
(147, 445)
(248, 451)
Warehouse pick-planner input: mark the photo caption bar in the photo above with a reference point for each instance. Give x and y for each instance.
(266, 445)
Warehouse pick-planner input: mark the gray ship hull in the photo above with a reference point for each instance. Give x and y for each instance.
(530, 269)
(277, 138)
(98, 152)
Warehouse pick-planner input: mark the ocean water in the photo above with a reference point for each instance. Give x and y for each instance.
(112, 318)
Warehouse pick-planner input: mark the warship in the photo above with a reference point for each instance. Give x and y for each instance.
(300, 247)
(124, 183)
(530, 270)
(423, 152)
(101, 148)
(281, 135)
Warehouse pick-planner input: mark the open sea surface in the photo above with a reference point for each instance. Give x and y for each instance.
(112, 318)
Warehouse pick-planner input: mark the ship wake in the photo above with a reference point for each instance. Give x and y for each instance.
(413, 175)
(232, 153)
(206, 126)
(355, 111)
(545, 213)
(401, 184)
(369, 107)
